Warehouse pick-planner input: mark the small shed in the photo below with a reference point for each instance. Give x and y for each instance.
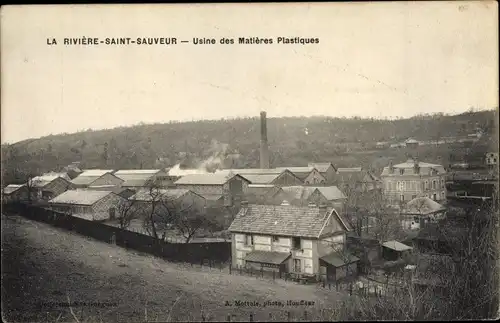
(394, 250)
(338, 265)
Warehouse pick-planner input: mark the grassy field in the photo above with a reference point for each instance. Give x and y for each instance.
(44, 266)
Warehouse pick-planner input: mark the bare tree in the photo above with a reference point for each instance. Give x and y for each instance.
(189, 220)
(128, 211)
(158, 215)
(371, 211)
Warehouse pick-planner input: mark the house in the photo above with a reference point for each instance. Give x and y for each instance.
(14, 193)
(135, 178)
(87, 204)
(46, 187)
(491, 159)
(308, 175)
(327, 170)
(124, 192)
(411, 179)
(266, 176)
(317, 195)
(230, 187)
(421, 211)
(306, 240)
(181, 198)
(411, 143)
(263, 194)
(355, 178)
(96, 177)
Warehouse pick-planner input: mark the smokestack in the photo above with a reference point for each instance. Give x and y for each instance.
(264, 148)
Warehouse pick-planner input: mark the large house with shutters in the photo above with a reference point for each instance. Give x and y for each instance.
(307, 241)
(411, 179)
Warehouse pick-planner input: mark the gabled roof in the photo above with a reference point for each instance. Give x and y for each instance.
(245, 171)
(356, 174)
(261, 178)
(150, 172)
(110, 188)
(321, 167)
(422, 206)
(96, 172)
(11, 188)
(330, 192)
(167, 193)
(207, 179)
(41, 181)
(297, 169)
(89, 176)
(283, 220)
(80, 197)
(61, 174)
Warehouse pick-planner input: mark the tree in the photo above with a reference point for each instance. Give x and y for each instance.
(189, 220)
(128, 211)
(158, 216)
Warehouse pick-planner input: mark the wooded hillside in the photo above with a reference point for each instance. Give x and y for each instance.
(293, 141)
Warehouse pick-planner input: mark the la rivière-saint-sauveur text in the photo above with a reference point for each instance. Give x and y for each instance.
(87, 41)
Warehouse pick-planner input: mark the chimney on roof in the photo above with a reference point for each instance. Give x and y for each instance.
(391, 167)
(322, 209)
(416, 166)
(264, 146)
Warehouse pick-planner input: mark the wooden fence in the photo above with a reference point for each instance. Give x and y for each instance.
(216, 252)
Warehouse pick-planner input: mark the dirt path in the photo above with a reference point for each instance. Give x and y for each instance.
(43, 266)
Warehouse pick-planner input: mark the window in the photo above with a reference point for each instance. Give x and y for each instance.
(296, 243)
(402, 198)
(434, 184)
(401, 186)
(276, 238)
(443, 195)
(442, 182)
(401, 171)
(249, 240)
(434, 196)
(426, 185)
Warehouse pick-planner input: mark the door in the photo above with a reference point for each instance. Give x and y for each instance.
(297, 265)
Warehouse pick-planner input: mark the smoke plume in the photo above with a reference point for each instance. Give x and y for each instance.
(218, 157)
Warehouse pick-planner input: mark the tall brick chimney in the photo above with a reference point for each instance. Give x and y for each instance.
(264, 147)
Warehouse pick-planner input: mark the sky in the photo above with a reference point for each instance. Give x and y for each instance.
(372, 60)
